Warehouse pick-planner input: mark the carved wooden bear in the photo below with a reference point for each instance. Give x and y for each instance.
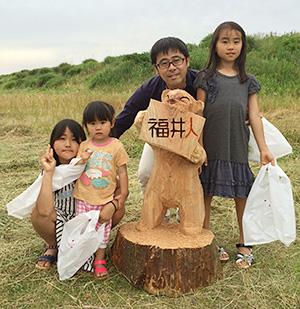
(174, 131)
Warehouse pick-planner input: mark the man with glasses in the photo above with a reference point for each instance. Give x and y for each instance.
(170, 58)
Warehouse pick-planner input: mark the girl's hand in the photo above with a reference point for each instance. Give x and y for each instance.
(47, 160)
(266, 157)
(85, 155)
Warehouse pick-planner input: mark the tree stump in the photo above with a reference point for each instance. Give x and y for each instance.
(163, 261)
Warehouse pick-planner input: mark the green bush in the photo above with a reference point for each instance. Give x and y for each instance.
(199, 58)
(30, 81)
(112, 76)
(275, 62)
(122, 70)
(137, 59)
(205, 43)
(13, 82)
(89, 66)
(86, 61)
(34, 72)
(45, 71)
(55, 81)
(43, 79)
(73, 71)
(22, 74)
(63, 68)
(252, 43)
(10, 85)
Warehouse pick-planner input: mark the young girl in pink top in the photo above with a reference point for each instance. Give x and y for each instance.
(106, 161)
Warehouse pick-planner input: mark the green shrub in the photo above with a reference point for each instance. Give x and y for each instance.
(110, 60)
(205, 43)
(10, 85)
(63, 68)
(43, 79)
(275, 62)
(45, 71)
(22, 74)
(199, 58)
(55, 81)
(86, 61)
(34, 72)
(89, 67)
(30, 81)
(252, 43)
(122, 70)
(137, 59)
(73, 71)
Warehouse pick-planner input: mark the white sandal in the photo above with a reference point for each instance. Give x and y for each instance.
(223, 255)
(242, 260)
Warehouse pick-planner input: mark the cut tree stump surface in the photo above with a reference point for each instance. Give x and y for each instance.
(163, 261)
(166, 236)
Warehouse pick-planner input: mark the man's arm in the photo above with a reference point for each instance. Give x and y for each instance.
(138, 101)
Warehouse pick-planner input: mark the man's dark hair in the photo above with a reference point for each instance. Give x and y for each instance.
(165, 44)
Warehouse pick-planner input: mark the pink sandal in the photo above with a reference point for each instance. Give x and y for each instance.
(100, 271)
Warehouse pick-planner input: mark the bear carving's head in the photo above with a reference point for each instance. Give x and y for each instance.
(182, 100)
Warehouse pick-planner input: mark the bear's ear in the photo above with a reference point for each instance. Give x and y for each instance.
(164, 94)
(197, 107)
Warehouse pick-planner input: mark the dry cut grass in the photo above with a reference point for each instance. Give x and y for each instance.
(26, 121)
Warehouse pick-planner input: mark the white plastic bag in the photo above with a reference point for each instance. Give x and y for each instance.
(269, 213)
(79, 241)
(276, 142)
(21, 206)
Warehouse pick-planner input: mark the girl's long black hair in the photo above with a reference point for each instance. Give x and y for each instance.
(59, 130)
(214, 59)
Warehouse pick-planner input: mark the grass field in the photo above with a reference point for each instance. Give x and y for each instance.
(26, 121)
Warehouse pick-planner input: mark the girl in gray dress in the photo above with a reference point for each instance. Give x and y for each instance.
(230, 96)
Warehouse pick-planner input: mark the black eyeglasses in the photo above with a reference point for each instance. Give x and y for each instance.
(165, 64)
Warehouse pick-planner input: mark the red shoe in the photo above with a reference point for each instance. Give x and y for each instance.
(100, 271)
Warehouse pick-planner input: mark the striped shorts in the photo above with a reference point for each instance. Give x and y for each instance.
(65, 211)
(83, 206)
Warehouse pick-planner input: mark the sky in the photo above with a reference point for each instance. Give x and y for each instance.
(46, 33)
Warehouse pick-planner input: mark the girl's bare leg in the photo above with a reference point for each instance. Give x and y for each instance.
(100, 270)
(207, 203)
(110, 212)
(240, 204)
(45, 227)
(117, 216)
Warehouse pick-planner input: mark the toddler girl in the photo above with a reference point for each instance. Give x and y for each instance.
(106, 160)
